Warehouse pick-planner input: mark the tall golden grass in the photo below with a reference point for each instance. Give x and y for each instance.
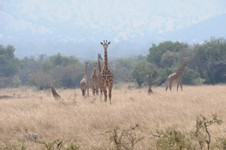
(87, 121)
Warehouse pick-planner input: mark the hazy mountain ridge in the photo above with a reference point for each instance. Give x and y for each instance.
(212, 27)
(72, 42)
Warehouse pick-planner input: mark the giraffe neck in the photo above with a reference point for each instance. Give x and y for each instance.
(54, 92)
(105, 59)
(94, 71)
(86, 70)
(181, 68)
(99, 65)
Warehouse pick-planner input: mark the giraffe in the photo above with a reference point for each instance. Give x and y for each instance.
(84, 84)
(94, 80)
(177, 76)
(54, 92)
(106, 76)
(99, 58)
(149, 79)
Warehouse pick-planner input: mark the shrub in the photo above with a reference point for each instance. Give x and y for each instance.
(125, 139)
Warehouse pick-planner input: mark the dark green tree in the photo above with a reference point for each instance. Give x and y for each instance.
(9, 65)
(59, 70)
(60, 60)
(123, 67)
(209, 60)
(143, 68)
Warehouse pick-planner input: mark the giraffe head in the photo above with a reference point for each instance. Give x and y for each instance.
(86, 64)
(95, 65)
(99, 57)
(49, 85)
(86, 67)
(105, 44)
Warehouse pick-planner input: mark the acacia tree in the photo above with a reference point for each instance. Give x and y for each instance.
(157, 51)
(59, 70)
(123, 67)
(142, 68)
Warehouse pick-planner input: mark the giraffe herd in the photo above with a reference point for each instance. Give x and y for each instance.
(101, 80)
(102, 77)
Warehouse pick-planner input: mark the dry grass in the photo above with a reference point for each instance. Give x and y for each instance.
(27, 112)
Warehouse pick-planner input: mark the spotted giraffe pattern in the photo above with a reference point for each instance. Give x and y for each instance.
(99, 59)
(106, 76)
(94, 80)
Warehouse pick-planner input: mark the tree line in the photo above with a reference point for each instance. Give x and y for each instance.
(207, 65)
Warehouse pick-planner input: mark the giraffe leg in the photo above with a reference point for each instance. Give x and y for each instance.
(93, 90)
(110, 89)
(181, 86)
(149, 90)
(167, 84)
(101, 92)
(170, 84)
(83, 92)
(105, 94)
(97, 90)
(178, 84)
(166, 87)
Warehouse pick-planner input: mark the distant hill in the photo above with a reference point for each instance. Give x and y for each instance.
(29, 43)
(212, 27)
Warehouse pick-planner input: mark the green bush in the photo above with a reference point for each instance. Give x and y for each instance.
(200, 138)
(172, 139)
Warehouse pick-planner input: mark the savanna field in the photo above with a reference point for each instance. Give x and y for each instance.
(32, 119)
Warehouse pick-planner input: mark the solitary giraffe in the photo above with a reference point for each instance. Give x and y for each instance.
(149, 79)
(99, 58)
(177, 76)
(84, 84)
(54, 92)
(94, 80)
(106, 77)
